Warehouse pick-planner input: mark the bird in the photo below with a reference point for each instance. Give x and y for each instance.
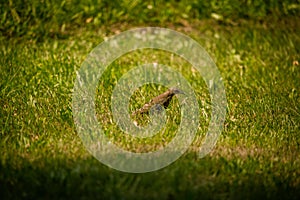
(163, 99)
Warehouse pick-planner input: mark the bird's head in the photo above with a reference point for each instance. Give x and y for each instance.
(176, 91)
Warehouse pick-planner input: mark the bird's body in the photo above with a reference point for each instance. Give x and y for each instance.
(162, 99)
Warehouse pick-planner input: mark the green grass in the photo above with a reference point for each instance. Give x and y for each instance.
(255, 49)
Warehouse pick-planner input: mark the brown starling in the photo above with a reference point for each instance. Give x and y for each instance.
(162, 99)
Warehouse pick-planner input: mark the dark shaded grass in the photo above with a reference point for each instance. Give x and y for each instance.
(189, 177)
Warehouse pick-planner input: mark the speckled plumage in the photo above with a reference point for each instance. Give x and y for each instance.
(162, 99)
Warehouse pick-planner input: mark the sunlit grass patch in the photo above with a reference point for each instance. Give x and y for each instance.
(256, 156)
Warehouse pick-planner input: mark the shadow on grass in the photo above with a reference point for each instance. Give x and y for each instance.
(187, 178)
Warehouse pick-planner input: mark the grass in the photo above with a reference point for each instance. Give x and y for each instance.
(257, 53)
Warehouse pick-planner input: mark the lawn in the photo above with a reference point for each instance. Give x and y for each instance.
(256, 47)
